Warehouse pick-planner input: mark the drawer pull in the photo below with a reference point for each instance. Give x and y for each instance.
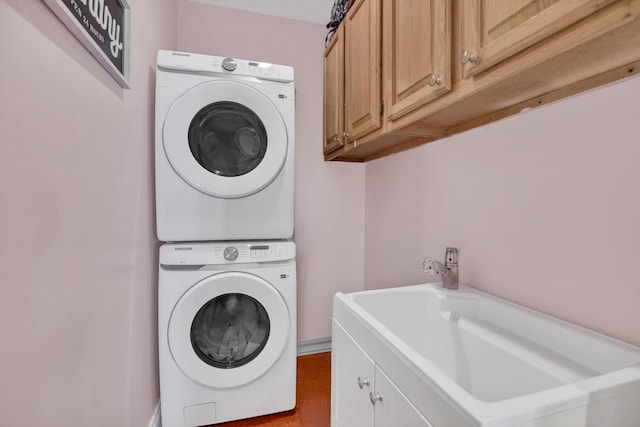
(469, 56)
(375, 398)
(363, 382)
(434, 80)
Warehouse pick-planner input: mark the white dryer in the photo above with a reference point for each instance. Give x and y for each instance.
(224, 150)
(227, 331)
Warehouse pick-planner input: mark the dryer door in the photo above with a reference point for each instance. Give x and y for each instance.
(225, 139)
(228, 329)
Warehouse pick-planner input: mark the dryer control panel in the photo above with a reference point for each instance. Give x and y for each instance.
(194, 62)
(226, 253)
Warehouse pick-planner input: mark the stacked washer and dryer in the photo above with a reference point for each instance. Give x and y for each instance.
(224, 157)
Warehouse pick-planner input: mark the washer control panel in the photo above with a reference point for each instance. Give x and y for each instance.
(250, 253)
(226, 253)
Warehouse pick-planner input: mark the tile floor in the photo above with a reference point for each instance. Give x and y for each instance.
(313, 398)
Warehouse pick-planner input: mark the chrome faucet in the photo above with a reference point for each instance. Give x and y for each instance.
(448, 271)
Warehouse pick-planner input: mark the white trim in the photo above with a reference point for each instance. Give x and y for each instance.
(317, 345)
(155, 419)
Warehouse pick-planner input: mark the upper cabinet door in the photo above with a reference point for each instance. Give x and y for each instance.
(334, 93)
(363, 95)
(417, 53)
(494, 30)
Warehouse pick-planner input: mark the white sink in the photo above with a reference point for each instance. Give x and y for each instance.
(465, 358)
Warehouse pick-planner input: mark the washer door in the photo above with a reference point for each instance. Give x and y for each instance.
(228, 329)
(225, 139)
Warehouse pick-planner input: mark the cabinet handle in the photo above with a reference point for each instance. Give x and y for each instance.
(434, 80)
(375, 398)
(363, 382)
(345, 135)
(469, 56)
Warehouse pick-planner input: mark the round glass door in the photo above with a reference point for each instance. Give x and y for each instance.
(228, 329)
(225, 139)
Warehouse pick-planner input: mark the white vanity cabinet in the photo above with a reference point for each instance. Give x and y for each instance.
(457, 359)
(361, 393)
(352, 379)
(394, 409)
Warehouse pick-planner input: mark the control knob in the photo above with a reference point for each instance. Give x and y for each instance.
(230, 253)
(229, 64)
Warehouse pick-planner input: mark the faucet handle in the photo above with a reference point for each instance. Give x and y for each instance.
(431, 266)
(451, 257)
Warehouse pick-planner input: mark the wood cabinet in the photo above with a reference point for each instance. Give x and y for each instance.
(352, 75)
(362, 94)
(361, 393)
(334, 92)
(447, 66)
(414, 72)
(495, 30)
(417, 54)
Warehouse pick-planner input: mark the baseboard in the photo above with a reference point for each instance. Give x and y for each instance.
(317, 345)
(155, 419)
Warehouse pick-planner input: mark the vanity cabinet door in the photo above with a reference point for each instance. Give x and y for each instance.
(494, 30)
(392, 408)
(352, 376)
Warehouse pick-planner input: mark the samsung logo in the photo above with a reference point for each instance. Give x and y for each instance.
(180, 54)
(183, 249)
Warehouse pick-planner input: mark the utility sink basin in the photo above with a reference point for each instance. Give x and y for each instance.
(466, 358)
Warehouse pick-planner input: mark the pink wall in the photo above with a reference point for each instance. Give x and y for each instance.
(329, 205)
(540, 205)
(543, 207)
(78, 255)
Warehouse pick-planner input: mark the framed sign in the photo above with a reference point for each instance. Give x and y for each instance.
(102, 26)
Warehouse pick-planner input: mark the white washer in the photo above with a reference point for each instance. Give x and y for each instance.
(227, 331)
(224, 148)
